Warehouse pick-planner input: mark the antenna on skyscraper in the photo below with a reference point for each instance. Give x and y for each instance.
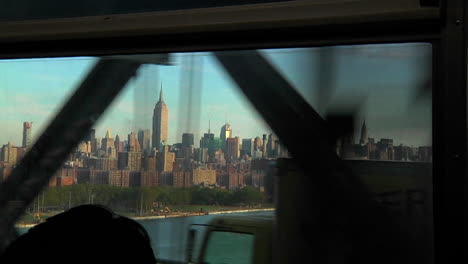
(161, 97)
(209, 126)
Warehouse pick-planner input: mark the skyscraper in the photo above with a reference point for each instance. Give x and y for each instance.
(133, 144)
(207, 141)
(187, 140)
(9, 153)
(232, 150)
(364, 136)
(201, 155)
(27, 127)
(107, 144)
(144, 138)
(160, 122)
(248, 146)
(226, 132)
(91, 137)
(165, 160)
(119, 145)
(271, 145)
(258, 144)
(264, 146)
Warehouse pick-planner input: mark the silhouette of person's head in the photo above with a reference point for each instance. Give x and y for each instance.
(83, 234)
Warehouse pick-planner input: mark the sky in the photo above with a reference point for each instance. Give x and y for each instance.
(379, 83)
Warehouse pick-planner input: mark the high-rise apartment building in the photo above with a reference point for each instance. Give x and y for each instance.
(119, 178)
(119, 145)
(9, 154)
(101, 163)
(27, 127)
(133, 144)
(271, 146)
(264, 146)
(129, 161)
(201, 155)
(149, 178)
(204, 176)
(181, 177)
(232, 150)
(160, 122)
(165, 160)
(150, 163)
(248, 146)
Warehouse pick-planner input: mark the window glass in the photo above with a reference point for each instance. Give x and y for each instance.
(238, 246)
(181, 144)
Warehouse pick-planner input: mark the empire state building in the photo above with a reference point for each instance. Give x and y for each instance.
(160, 122)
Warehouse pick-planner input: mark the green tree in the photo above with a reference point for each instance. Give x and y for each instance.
(250, 195)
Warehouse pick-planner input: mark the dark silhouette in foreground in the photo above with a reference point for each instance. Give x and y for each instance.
(83, 234)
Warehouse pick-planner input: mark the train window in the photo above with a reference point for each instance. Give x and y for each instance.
(181, 144)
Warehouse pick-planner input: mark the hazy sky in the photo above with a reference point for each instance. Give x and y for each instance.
(384, 81)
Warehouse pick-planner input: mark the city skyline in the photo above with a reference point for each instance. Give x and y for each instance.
(359, 138)
(384, 74)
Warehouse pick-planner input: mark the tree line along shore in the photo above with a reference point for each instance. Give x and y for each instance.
(160, 201)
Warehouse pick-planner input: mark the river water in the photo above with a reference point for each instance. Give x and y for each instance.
(169, 235)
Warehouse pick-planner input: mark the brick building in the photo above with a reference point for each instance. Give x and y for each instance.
(204, 176)
(149, 178)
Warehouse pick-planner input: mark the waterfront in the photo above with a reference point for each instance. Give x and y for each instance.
(168, 235)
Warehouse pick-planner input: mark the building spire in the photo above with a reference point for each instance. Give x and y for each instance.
(209, 126)
(364, 137)
(161, 96)
(108, 133)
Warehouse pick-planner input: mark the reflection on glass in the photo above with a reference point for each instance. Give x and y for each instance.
(229, 248)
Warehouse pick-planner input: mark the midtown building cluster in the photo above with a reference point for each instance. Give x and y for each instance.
(144, 158)
(384, 149)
